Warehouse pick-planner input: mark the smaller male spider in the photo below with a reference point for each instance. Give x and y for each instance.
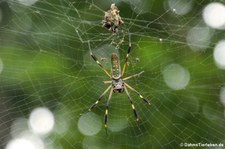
(117, 82)
(112, 19)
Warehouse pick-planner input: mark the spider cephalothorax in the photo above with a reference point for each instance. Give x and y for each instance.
(117, 83)
(112, 19)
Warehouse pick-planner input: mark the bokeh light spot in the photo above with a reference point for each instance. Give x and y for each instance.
(20, 144)
(176, 77)
(28, 142)
(214, 15)
(219, 54)
(198, 38)
(180, 7)
(89, 124)
(27, 2)
(41, 121)
(117, 125)
(19, 127)
(222, 95)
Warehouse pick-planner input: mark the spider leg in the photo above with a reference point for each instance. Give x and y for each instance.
(132, 89)
(100, 97)
(126, 59)
(107, 82)
(132, 105)
(96, 60)
(135, 75)
(106, 111)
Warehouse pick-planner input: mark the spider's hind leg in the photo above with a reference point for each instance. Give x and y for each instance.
(132, 105)
(107, 110)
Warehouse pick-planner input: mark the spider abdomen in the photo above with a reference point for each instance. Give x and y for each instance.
(116, 71)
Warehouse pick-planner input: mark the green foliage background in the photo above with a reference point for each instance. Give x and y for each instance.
(47, 63)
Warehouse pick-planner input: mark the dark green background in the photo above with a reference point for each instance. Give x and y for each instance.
(47, 63)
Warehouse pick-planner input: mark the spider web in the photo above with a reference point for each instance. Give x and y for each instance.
(45, 62)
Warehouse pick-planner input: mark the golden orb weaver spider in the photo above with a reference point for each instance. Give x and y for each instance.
(117, 82)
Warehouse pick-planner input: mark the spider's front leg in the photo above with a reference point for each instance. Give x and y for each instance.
(107, 82)
(97, 61)
(135, 75)
(126, 59)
